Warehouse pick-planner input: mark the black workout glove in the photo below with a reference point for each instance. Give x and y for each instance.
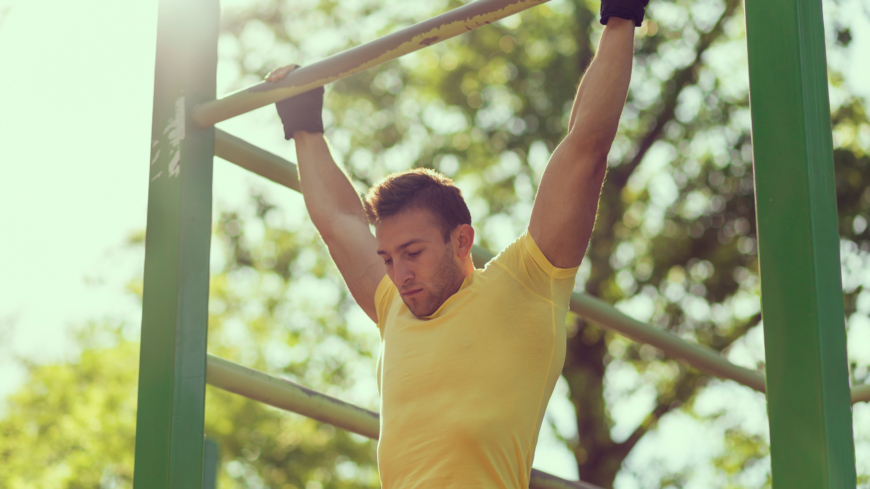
(302, 112)
(624, 9)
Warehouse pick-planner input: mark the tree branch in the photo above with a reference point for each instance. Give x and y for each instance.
(682, 78)
(685, 388)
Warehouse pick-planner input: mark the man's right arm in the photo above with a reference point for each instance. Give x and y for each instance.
(337, 212)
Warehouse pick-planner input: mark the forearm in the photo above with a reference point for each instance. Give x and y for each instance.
(564, 212)
(327, 191)
(603, 89)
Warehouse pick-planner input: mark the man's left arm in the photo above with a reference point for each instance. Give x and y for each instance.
(567, 199)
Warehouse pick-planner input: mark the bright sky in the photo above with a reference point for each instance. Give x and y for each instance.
(74, 138)
(75, 124)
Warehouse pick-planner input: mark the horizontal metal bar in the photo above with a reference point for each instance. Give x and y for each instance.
(287, 395)
(700, 357)
(360, 58)
(543, 480)
(283, 394)
(255, 159)
(861, 393)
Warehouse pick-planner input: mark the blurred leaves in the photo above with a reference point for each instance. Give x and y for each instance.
(275, 304)
(72, 425)
(674, 243)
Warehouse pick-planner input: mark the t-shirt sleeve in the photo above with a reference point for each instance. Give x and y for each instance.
(384, 296)
(528, 265)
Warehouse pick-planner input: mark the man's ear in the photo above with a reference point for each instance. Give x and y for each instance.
(464, 235)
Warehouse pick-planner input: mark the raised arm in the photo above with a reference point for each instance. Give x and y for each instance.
(337, 212)
(333, 204)
(567, 199)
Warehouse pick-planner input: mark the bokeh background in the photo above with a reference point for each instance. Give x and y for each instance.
(674, 243)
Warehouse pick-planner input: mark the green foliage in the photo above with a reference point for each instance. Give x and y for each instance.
(72, 425)
(674, 244)
(275, 304)
(278, 305)
(741, 452)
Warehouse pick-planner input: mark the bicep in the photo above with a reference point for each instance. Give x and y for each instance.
(564, 212)
(354, 251)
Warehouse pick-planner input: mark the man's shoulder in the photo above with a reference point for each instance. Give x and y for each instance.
(509, 264)
(510, 254)
(524, 262)
(518, 256)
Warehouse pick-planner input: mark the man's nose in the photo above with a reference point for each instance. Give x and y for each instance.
(403, 273)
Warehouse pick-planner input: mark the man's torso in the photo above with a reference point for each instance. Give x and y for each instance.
(463, 391)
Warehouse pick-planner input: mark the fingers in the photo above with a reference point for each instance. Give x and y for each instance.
(279, 73)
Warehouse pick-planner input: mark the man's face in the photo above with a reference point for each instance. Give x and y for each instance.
(423, 267)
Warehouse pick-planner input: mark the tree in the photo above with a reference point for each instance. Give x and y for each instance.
(273, 306)
(674, 242)
(674, 245)
(73, 425)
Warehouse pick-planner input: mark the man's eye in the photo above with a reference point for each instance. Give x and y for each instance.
(415, 253)
(388, 262)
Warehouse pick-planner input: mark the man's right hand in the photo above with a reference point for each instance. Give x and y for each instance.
(302, 112)
(624, 9)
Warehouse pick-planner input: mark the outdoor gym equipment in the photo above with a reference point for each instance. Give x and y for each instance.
(806, 384)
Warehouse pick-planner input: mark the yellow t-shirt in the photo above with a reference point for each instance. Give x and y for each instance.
(463, 391)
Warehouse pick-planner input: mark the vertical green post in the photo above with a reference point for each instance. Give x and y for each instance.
(169, 421)
(210, 464)
(802, 302)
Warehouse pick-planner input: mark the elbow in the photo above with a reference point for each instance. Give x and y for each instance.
(590, 147)
(328, 232)
(335, 229)
(326, 235)
(324, 223)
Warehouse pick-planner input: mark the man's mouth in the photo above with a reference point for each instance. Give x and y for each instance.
(412, 292)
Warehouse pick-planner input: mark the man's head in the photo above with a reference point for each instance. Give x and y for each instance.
(424, 235)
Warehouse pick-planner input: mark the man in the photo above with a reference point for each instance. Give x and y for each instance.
(469, 357)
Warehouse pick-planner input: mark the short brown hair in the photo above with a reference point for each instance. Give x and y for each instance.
(419, 188)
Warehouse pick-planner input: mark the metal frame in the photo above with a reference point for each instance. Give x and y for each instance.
(802, 307)
(171, 401)
(798, 247)
(418, 36)
(211, 464)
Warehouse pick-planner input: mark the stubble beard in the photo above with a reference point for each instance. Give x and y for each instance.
(445, 282)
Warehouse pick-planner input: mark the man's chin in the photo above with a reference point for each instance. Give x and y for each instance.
(419, 310)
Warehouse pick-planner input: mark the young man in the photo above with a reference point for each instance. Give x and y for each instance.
(469, 357)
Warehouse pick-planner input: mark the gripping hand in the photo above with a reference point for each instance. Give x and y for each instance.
(624, 9)
(302, 112)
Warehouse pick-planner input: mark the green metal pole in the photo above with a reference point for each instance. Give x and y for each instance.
(802, 303)
(169, 421)
(210, 464)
